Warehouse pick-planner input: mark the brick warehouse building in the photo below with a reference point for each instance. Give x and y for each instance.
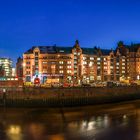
(81, 65)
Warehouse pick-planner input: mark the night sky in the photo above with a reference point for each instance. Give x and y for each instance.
(24, 23)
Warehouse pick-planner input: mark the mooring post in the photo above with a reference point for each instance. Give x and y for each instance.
(4, 97)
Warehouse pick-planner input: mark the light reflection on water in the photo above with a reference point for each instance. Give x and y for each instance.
(72, 125)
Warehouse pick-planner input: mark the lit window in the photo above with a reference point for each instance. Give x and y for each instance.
(68, 67)
(75, 71)
(98, 77)
(44, 62)
(90, 64)
(61, 71)
(68, 71)
(105, 67)
(91, 58)
(61, 62)
(53, 66)
(84, 58)
(69, 62)
(61, 51)
(98, 58)
(61, 67)
(123, 71)
(111, 67)
(84, 62)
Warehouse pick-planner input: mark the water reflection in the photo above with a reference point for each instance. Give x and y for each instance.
(36, 131)
(74, 124)
(14, 132)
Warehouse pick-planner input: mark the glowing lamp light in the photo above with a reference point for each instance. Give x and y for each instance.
(14, 129)
(23, 64)
(37, 81)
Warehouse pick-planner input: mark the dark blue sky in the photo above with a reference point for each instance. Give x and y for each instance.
(24, 23)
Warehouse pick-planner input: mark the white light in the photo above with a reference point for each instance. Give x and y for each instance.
(24, 64)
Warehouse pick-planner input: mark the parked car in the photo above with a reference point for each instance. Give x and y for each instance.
(55, 85)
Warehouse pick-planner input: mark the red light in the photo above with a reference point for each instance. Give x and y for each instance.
(37, 81)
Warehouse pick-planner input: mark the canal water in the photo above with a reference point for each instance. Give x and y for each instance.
(104, 122)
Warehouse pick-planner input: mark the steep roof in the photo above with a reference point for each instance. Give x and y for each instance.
(66, 50)
(133, 47)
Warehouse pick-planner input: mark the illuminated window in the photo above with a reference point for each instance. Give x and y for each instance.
(91, 77)
(44, 62)
(111, 67)
(98, 59)
(75, 71)
(68, 67)
(98, 77)
(61, 62)
(91, 58)
(61, 71)
(84, 62)
(61, 51)
(61, 67)
(123, 71)
(90, 64)
(69, 62)
(68, 71)
(84, 58)
(53, 66)
(105, 67)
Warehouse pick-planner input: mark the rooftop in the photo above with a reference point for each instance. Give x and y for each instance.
(67, 50)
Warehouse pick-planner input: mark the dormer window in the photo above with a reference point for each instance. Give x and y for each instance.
(61, 51)
(36, 53)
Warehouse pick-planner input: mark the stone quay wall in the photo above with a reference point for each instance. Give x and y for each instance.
(67, 97)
